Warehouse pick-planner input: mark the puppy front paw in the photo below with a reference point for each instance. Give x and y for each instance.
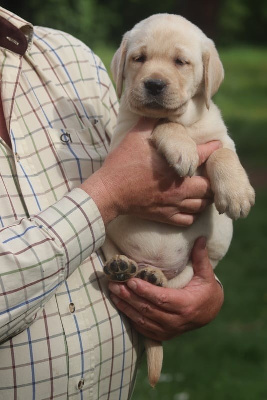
(236, 199)
(120, 268)
(186, 164)
(180, 151)
(182, 156)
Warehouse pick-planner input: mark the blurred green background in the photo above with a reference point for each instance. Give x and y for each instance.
(228, 358)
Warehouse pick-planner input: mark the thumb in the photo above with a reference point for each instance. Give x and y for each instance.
(206, 149)
(200, 260)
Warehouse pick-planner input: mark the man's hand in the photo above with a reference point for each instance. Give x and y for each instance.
(163, 313)
(136, 179)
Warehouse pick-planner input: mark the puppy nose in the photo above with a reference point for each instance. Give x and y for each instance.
(154, 86)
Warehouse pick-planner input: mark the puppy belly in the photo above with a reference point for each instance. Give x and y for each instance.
(169, 247)
(151, 244)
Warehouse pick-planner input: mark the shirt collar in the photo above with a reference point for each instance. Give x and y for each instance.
(15, 33)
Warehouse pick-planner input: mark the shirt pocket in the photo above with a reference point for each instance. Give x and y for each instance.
(78, 152)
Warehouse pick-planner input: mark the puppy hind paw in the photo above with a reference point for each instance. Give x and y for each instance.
(120, 268)
(152, 275)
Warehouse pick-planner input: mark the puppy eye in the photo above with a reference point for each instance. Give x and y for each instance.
(179, 61)
(140, 59)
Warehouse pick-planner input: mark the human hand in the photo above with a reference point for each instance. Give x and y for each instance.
(136, 179)
(163, 313)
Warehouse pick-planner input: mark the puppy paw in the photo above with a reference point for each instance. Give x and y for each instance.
(178, 148)
(186, 164)
(152, 275)
(235, 200)
(120, 268)
(183, 158)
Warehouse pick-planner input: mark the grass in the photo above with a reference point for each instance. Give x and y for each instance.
(228, 358)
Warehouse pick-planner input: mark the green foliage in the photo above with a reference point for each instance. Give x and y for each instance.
(243, 21)
(243, 101)
(103, 21)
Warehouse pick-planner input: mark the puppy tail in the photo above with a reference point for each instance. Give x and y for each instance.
(154, 353)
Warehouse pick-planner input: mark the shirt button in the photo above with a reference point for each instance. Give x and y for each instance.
(72, 307)
(81, 384)
(17, 157)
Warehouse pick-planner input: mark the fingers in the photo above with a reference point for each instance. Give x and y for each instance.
(148, 319)
(189, 211)
(200, 260)
(148, 327)
(152, 334)
(137, 304)
(182, 219)
(135, 315)
(140, 312)
(196, 187)
(158, 335)
(164, 298)
(205, 150)
(194, 206)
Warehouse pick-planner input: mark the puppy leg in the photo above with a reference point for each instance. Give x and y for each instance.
(152, 275)
(120, 268)
(233, 193)
(182, 279)
(172, 140)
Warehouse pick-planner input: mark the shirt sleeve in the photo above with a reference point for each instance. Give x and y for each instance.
(39, 253)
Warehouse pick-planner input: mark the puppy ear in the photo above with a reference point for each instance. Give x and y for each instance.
(117, 64)
(213, 71)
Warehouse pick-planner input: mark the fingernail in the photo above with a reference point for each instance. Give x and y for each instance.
(132, 284)
(114, 299)
(114, 288)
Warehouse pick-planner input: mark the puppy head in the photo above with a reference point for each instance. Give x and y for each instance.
(163, 62)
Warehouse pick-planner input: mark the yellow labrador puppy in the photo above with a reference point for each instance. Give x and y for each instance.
(170, 70)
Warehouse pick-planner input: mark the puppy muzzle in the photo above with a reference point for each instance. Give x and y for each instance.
(155, 87)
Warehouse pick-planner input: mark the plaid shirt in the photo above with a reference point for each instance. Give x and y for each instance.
(61, 338)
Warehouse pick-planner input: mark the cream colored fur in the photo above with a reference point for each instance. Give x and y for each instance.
(189, 118)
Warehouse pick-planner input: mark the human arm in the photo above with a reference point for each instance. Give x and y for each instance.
(163, 313)
(136, 179)
(37, 254)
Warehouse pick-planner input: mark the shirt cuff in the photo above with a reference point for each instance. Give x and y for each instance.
(76, 224)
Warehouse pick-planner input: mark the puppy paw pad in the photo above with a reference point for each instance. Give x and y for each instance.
(120, 268)
(152, 275)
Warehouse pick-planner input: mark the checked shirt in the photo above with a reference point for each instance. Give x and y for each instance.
(60, 337)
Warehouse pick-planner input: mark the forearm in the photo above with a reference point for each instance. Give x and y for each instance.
(97, 188)
(38, 254)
